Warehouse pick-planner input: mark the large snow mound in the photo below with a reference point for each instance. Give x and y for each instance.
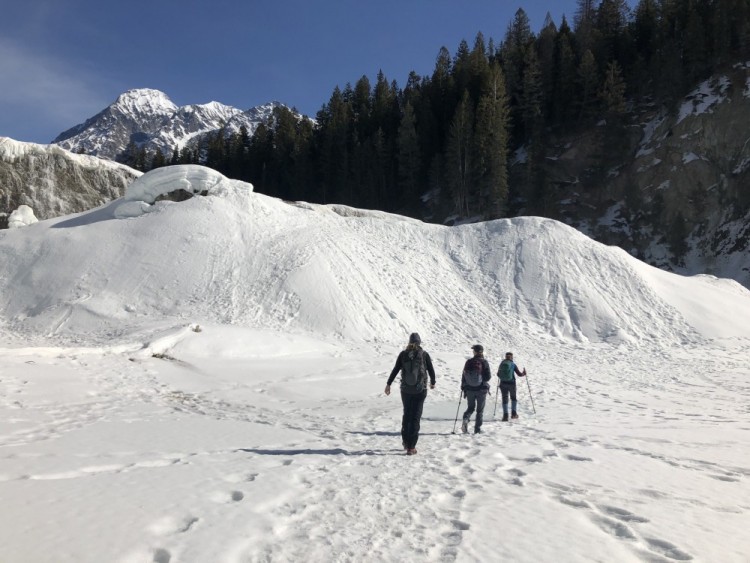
(237, 257)
(193, 179)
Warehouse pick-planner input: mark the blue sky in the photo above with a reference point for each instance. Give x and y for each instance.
(62, 62)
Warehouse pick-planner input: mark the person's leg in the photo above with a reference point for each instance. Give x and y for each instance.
(514, 402)
(412, 414)
(471, 402)
(481, 399)
(406, 401)
(471, 399)
(504, 390)
(418, 405)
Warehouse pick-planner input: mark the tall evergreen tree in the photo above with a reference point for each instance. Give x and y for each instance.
(458, 157)
(565, 88)
(588, 83)
(408, 158)
(491, 146)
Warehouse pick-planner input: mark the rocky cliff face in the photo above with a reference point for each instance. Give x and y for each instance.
(55, 182)
(675, 188)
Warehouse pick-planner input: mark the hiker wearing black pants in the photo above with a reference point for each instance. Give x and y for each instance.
(507, 372)
(415, 365)
(475, 385)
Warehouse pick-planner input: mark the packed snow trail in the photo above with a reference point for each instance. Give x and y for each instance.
(238, 445)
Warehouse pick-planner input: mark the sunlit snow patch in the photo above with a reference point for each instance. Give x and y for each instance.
(21, 217)
(190, 178)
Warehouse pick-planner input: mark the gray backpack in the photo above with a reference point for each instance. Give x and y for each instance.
(414, 371)
(473, 372)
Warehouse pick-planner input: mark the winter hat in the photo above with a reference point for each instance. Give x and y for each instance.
(414, 338)
(478, 348)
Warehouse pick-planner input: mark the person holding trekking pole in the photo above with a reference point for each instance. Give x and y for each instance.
(415, 365)
(506, 373)
(475, 385)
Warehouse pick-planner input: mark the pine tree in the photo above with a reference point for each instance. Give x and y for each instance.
(158, 160)
(565, 90)
(491, 145)
(408, 158)
(588, 83)
(518, 40)
(458, 155)
(546, 44)
(585, 25)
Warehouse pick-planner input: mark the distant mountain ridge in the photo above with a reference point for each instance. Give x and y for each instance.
(151, 120)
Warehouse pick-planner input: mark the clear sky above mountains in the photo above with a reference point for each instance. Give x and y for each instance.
(62, 62)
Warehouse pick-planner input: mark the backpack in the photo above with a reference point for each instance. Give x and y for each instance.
(505, 371)
(473, 372)
(414, 374)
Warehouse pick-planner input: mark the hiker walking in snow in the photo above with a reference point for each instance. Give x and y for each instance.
(415, 365)
(506, 373)
(475, 385)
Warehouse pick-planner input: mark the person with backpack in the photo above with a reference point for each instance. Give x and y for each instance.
(415, 365)
(475, 385)
(506, 373)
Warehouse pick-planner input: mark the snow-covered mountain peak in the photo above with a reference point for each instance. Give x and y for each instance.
(148, 118)
(145, 100)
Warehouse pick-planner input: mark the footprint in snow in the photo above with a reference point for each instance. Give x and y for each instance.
(622, 514)
(169, 525)
(224, 497)
(572, 457)
(667, 550)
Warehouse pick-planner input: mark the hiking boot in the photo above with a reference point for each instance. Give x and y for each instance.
(514, 414)
(411, 451)
(505, 417)
(477, 431)
(465, 427)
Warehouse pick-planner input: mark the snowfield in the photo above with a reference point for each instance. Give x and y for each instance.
(203, 381)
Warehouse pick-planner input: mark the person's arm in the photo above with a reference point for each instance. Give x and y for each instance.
(394, 372)
(430, 369)
(518, 371)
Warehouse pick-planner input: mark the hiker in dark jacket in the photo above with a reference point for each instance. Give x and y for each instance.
(506, 373)
(475, 385)
(415, 365)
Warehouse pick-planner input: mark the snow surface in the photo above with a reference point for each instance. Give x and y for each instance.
(21, 217)
(12, 150)
(205, 383)
(705, 97)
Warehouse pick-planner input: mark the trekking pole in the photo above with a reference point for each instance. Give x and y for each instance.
(460, 396)
(529, 386)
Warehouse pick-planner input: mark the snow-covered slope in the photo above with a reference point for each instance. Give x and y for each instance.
(203, 381)
(55, 182)
(149, 118)
(243, 258)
